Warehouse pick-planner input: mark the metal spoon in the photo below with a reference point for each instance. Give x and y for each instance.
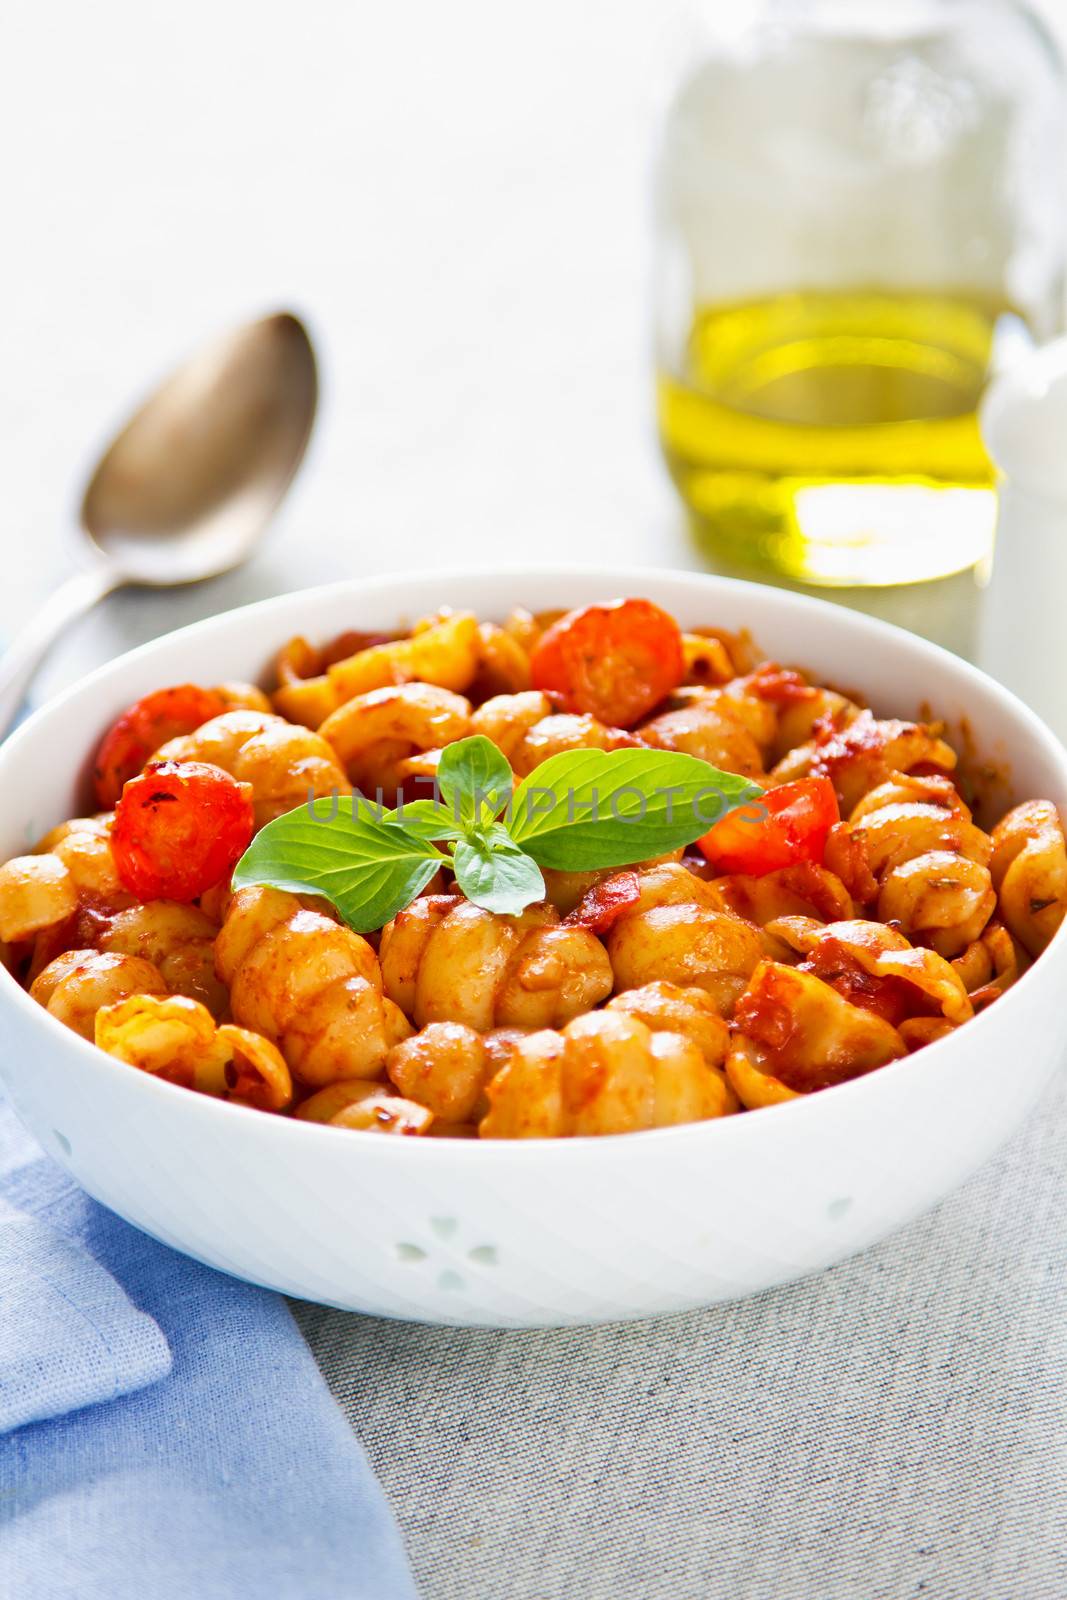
(189, 484)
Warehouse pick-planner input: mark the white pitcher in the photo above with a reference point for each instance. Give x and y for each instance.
(1023, 627)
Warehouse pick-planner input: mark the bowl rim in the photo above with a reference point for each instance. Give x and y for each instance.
(621, 579)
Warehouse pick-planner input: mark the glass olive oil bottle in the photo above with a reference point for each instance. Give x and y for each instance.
(859, 219)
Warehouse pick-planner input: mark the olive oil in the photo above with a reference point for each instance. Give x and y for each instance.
(833, 436)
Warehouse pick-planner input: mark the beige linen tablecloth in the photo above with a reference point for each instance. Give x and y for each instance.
(455, 195)
(894, 1428)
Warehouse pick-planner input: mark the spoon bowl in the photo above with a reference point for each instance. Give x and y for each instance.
(189, 484)
(192, 479)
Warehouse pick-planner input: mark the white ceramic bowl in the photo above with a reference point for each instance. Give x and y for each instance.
(513, 1234)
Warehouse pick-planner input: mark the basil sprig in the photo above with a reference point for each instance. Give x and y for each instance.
(347, 851)
(578, 811)
(585, 809)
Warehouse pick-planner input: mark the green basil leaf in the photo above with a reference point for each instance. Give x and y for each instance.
(428, 819)
(494, 873)
(584, 809)
(366, 865)
(474, 779)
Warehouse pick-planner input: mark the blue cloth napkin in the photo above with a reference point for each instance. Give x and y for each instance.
(69, 1335)
(213, 1465)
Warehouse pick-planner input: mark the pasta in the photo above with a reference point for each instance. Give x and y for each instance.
(445, 653)
(373, 734)
(864, 752)
(929, 860)
(447, 1065)
(714, 725)
(77, 984)
(84, 847)
(876, 965)
(797, 1030)
(354, 1103)
(444, 960)
(178, 1039)
(36, 892)
(179, 941)
(309, 985)
(990, 964)
(284, 764)
(606, 1072)
(666, 1008)
(527, 731)
(861, 914)
(1029, 868)
(677, 930)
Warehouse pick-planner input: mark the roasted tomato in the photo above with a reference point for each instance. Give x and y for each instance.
(788, 825)
(602, 905)
(180, 827)
(780, 685)
(614, 662)
(144, 728)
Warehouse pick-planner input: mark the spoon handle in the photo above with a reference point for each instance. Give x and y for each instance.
(28, 649)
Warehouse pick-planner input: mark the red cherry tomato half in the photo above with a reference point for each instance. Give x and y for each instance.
(180, 828)
(144, 728)
(613, 662)
(788, 825)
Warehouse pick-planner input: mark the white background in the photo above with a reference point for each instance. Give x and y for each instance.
(454, 195)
